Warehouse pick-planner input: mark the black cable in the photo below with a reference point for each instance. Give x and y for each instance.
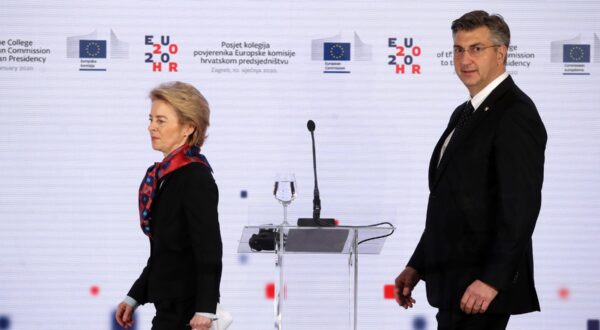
(373, 225)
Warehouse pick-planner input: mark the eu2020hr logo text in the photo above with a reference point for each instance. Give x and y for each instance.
(162, 53)
(404, 56)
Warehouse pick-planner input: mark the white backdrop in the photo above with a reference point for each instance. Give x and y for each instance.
(74, 145)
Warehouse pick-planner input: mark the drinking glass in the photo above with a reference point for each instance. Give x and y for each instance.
(285, 191)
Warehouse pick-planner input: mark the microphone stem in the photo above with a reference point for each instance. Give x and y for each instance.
(312, 135)
(316, 200)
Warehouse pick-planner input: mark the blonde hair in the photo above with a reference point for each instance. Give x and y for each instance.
(191, 107)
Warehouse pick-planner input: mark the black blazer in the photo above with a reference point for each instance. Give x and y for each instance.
(186, 248)
(484, 200)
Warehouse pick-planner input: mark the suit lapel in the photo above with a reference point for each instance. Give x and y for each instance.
(433, 163)
(486, 106)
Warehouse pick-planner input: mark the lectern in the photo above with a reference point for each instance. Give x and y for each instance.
(350, 240)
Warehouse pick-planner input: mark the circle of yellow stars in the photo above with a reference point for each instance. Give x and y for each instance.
(576, 53)
(338, 53)
(96, 49)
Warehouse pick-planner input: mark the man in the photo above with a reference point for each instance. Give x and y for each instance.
(485, 181)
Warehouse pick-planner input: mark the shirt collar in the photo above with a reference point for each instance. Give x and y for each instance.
(485, 92)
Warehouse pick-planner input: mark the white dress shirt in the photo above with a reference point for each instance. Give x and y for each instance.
(475, 102)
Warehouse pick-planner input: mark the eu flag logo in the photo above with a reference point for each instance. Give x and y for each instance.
(336, 51)
(92, 48)
(576, 53)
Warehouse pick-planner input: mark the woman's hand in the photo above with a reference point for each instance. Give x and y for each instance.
(200, 323)
(124, 315)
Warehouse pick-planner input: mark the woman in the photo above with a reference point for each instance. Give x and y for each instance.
(178, 212)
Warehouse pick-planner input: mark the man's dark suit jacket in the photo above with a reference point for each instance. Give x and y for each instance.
(484, 200)
(186, 248)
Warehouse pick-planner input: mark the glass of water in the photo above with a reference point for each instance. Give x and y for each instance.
(285, 191)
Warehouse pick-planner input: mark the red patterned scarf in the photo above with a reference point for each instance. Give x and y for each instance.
(178, 158)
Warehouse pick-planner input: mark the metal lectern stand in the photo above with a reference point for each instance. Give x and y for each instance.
(317, 240)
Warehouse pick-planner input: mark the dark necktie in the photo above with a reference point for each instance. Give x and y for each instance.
(465, 116)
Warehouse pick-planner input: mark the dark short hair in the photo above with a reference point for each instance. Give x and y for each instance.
(478, 18)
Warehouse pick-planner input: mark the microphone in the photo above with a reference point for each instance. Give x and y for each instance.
(311, 128)
(316, 199)
(316, 219)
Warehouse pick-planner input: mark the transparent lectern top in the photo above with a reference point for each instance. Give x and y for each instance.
(320, 239)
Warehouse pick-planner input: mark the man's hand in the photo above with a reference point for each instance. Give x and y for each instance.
(123, 315)
(477, 298)
(405, 282)
(199, 322)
